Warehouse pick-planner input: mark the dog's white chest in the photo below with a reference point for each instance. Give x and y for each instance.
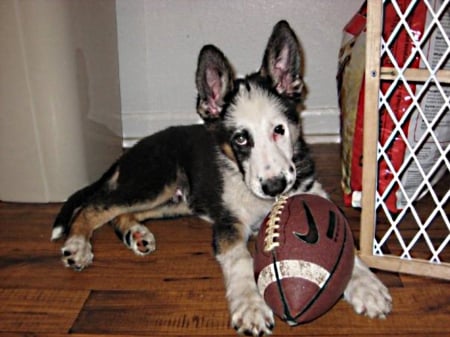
(249, 209)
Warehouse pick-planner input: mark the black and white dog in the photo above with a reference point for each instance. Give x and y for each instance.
(228, 171)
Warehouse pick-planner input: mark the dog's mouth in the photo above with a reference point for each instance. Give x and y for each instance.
(272, 187)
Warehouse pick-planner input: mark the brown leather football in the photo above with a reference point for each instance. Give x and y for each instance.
(304, 257)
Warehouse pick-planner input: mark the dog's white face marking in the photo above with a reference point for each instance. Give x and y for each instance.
(263, 140)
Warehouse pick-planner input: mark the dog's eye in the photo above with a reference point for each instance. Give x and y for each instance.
(241, 139)
(279, 130)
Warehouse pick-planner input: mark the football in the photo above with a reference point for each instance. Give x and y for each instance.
(304, 257)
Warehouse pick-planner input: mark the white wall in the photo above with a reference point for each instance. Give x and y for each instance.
(60, 115)
(159, 41)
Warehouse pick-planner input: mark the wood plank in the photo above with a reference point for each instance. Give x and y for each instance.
(415, 266)
(157, 312)
(39, 310)
(370, 136)
(426, 310)
(414, 75)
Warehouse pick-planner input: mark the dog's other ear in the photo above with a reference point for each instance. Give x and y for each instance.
(282, 61)
(214, 79)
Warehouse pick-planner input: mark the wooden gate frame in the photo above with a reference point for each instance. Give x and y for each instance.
(373, 75)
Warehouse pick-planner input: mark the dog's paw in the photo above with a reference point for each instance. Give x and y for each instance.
(140, 240)
(251, 316)
(368, 295)
(77, 253)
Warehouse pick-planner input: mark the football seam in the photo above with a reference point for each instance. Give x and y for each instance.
(341, 252)
(273, 224)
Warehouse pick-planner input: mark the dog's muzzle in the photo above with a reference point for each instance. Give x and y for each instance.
(274, 186)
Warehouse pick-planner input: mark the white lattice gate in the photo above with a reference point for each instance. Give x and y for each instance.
(405, 221)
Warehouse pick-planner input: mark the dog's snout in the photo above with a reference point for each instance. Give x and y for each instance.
(274, 186)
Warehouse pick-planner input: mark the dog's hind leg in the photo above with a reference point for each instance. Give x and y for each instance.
(77, 250)
(68, 212)
(133, 234)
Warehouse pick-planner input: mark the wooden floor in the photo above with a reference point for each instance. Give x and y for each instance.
(177, 290)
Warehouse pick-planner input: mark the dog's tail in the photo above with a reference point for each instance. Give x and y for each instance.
(75, 203)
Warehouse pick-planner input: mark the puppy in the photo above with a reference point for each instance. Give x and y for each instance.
(229, 170)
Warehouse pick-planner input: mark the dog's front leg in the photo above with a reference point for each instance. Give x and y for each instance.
(249, 313)
(366, 293)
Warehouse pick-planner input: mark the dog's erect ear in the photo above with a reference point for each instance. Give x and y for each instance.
(282, 61)
(214, 79)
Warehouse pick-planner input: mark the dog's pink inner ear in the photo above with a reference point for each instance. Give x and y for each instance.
(213, 108)
(280, 72)
(213, 80)
(215, 90)
(282, 62)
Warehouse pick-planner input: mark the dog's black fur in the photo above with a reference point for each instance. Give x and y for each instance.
(151, 164)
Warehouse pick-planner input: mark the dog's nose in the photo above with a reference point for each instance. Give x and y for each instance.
(274, 186)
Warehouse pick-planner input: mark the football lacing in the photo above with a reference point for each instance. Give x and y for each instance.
(273, 224)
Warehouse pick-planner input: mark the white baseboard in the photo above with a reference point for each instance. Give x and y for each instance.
(320, 125)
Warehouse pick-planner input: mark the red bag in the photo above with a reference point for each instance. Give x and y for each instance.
(350, 81)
